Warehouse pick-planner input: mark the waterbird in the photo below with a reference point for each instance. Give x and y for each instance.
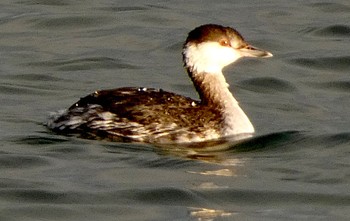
(140, 114)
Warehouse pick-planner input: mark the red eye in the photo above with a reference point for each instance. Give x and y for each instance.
(224, 42)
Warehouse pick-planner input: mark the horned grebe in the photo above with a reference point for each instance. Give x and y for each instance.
(156, 116)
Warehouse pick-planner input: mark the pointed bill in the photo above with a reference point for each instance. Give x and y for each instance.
(251, 51)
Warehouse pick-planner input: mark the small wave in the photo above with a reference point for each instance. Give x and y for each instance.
(124, 9)
(341, 63)
(330, 7)
(341, 86)
(22, 89)
(34, 77)
(166, 196)
(70, 22)
(13, 161)
(333, 30)
(45, 2)
(268, 85)
(39, 140)
(268, 141)
(89, 63)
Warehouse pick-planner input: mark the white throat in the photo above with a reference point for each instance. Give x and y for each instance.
(206, 74)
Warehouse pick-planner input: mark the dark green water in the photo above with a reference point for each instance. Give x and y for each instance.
(296, 168)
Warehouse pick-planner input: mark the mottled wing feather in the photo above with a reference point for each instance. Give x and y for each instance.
(140, 114)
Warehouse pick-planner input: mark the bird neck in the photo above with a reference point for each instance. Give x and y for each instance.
(213, 91)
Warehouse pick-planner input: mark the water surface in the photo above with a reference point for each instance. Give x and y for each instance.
(295, 168)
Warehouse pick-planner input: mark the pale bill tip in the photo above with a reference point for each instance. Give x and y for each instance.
(250, 51)
(268, 54)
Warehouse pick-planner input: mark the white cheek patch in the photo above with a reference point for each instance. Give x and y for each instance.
(209, 57)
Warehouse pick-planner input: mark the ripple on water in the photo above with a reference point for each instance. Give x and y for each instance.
(341, 63)
(268, 85)
(166, 196)
(28, 84)
(40, 140)
(333, 31)
(330, 7)
(34, 77)
(89, 63)
(14, 161)
(45, 2)
(243, 197)
(70, 22)
(340, 86)
(125, 9)
(269, 141)
(19, 90)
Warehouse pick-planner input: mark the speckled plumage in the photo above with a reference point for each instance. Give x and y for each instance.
(139, 114)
